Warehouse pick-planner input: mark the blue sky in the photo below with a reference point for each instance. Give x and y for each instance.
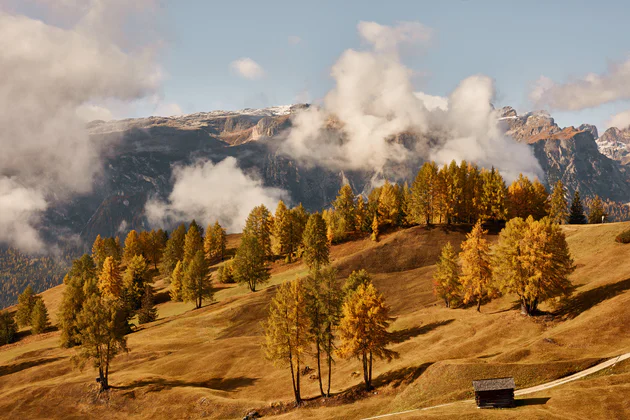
(513, 42)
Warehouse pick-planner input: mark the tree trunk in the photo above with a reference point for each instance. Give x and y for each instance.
(319, 369)
(366, 378)
(479, 305)
(370, 371)
(295, 391)
(329, 367)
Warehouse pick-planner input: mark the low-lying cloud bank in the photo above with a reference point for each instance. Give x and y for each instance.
(51, 77)
(374, 100)
(208, 192)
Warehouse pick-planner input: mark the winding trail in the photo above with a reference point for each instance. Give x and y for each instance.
(581, 374)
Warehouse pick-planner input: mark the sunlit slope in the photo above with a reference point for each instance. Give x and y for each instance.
(191, 363)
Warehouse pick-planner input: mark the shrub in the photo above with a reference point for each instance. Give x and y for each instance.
(623, 237)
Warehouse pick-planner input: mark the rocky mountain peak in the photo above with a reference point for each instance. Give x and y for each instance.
(590, 128)
(524, 127)
(615, 144)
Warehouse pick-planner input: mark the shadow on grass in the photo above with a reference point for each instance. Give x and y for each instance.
(398, 377)
(159, 384)
(162, 297)
(408, 333)
(18, 367)
(584, 301)
(531, 401)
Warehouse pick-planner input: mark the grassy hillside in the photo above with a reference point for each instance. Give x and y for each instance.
(208, 362)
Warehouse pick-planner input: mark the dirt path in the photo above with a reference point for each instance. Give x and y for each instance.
(524, 391)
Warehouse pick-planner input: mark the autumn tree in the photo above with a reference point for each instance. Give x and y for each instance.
(196, 285)
(101, 339)
(287, 335)
(355, 279)
(134, 279)
(299, 218)
(153, 244)
(282, 229)
(558, 205)
(314, 311)
(363, 329)
(110, 281)
(375, 232)
(225, 273)
(26, 303)
(446, 285)
(8, 329)
(80, 283)
(99, 252)
(494, 196)
(173, 251)
(521, 197)
(148, 311)
(362, 215)
(39, 317)
(423, 193)
(315, 242)
(541, 200)
(113, 248)
(193, 242)
(249, 263)
(344, 206)
(132, 248)
(476, 278)
(215, 242)
(259, 225)
(390, 206)
(532, 260)
(576, 214)
(177, 279)
(331, 301)
(596, 212)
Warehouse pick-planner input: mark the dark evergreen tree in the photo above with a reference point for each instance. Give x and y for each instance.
(576, 214)
(148, 311)
(8, 329)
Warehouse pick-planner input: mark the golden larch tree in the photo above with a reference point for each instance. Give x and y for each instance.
(476, 278)
(446, 285)
(110, 280)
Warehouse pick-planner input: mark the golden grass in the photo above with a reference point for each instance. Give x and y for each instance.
(208, 362)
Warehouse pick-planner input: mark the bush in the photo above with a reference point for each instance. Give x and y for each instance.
(225, 273)
(623, 237)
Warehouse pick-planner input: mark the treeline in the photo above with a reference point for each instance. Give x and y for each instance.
(18, 270)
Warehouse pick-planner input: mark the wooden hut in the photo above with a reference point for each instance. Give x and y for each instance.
(494, 393)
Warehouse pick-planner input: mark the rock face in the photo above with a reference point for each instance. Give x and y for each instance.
(615, 144)
(139, 164)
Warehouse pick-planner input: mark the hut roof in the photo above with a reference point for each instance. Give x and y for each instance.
(493, 384)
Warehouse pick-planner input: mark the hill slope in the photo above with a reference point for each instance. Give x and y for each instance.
(208, 362)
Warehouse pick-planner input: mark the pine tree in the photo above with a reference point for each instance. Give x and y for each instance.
(193, 242)
(287, 335)
(344, 206)
(134, 280)
(389, 205)
(80, 283)
(177, 278)
(174, 250)
(112, 249)
(315, 241)
(299, 218)
(314, 312)
(540, 199)
(101, 339)
(259, 225)
(26, 303)
(596, 212)
(225, 273)
(532, 260)
(153, 246)
(362, 220)
(355, 279)
(39, 317)
(282, 230)
(446, 284)
(197, 285)
(249, 263)
(558, 209)
(476, 278)
(331, 301)
(148, 311)
(423, 193)
(110, 281)
(8, 329)
(99, 253)
(363, 329)
(375, 232)
(494, 196)
(521, 197)
(576, 215)
(215, 242)
(133, 246)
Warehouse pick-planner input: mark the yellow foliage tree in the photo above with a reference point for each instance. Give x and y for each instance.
(110, 281)
(287, 336)
(177, 278)
(446, 284)
(363, 329)
(476, 278)
(532, 260)
(133, 246)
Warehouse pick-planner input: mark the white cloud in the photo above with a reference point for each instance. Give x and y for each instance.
(294, 40)
(207, 192)
(373, 100)
(589, 91)
(247, 68)
(91, 112)
(168, 110)
(387, 38)
(620, 120)
(52, 77)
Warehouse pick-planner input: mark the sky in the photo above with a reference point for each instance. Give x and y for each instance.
(232, 55)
